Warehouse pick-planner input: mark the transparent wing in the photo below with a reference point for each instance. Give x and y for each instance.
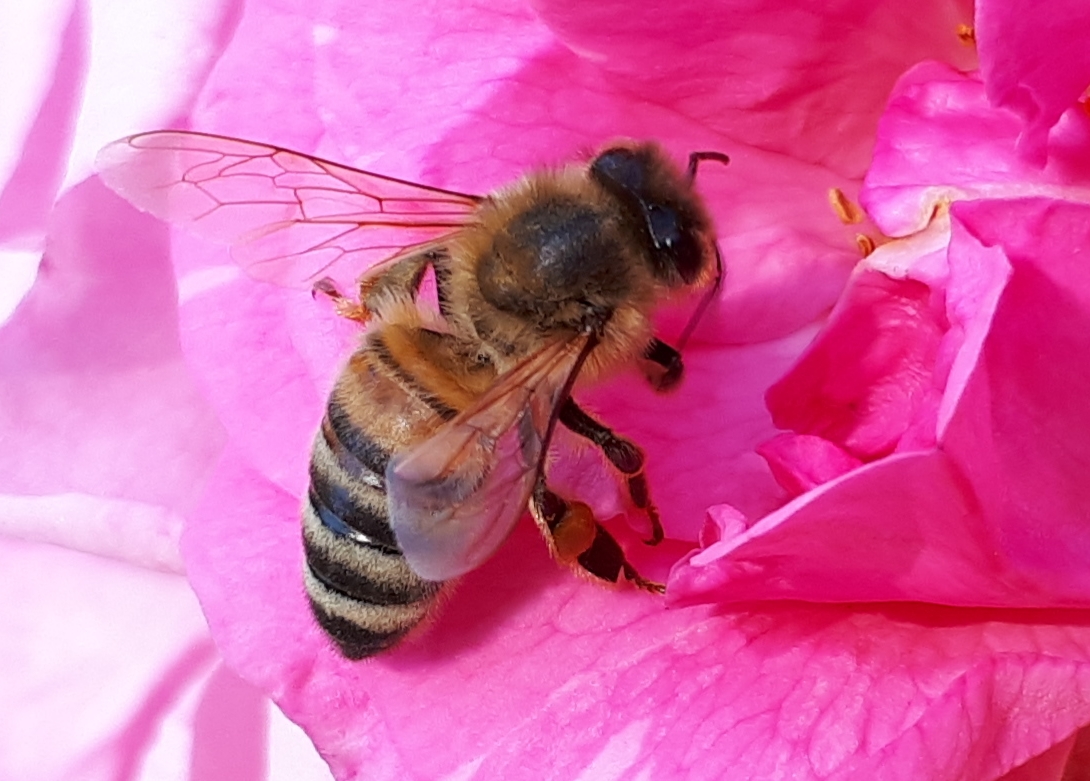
(290, 218)
(454, 498)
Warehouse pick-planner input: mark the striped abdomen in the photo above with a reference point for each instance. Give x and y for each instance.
(361, 589)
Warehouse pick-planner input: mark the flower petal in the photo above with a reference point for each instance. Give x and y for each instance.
(97, 653)
(868, 376)
(940, 140)
(529, 672)
(1021, 430)
(792, 78)
(961, 524)
(1033, 63)
(801, 462)
(97, 399)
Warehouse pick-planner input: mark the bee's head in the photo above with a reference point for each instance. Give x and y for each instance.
(590, 249)
(662, 209)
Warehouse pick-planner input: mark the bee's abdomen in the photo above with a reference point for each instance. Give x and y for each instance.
(361, 589)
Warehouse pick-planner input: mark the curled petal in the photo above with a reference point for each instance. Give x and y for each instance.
(961, 521)
(941, 140)
(1034, 62)
(868, 376)
(801, 462)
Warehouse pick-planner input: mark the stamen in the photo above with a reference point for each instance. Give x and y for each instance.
(865, 243)
(846, 210)
(967, 34)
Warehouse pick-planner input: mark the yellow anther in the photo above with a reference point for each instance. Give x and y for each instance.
(967, 34)
(865, 243)
(845, 208)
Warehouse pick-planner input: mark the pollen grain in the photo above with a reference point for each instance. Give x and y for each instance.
(967, 34)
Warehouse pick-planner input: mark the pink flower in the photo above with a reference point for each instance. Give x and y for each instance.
(944, 395)
(529, 672)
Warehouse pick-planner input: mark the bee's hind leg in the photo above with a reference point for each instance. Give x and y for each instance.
(577, 539)
(625, 456)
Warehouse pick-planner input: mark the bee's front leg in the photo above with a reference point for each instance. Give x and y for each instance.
(662, 366)
(577, 539)
(625, 456)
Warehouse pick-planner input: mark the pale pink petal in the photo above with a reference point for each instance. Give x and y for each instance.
(81, 78)
(941, 140)
(144, 69)
(528, 672)
(106, 441)
(47, 46)
(96, 398)
(105, 435)
(1034, 62)
(111, 674)
(96, 655)
(32, 43)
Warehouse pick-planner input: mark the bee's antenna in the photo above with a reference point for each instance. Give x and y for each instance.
(705, 302)
(695, 159)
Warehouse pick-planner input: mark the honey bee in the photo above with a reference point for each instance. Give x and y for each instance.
(436, 434)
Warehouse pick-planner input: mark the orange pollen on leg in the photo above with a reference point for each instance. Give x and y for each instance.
(575, 532)
(844, 208)
(967, 34)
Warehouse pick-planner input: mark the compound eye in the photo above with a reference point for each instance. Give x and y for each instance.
(620, 171)
(665, 230)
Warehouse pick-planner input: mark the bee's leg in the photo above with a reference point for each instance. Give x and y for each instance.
(342, 304)
(576, 538)
(399, 277)
(623, 454)
(662, 365)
